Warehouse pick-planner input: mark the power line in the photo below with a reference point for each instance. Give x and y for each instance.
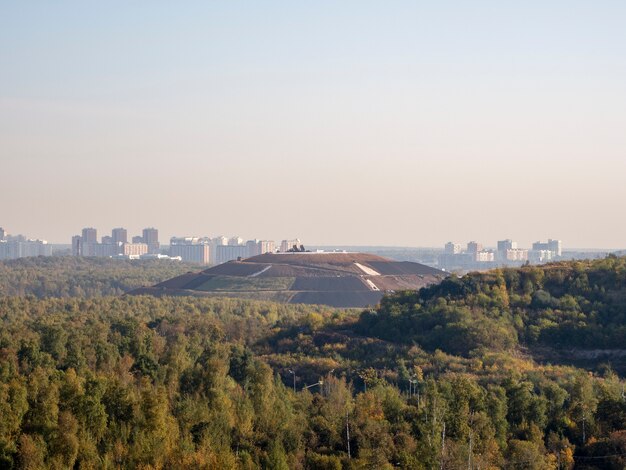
(575, 457)
(599, 456)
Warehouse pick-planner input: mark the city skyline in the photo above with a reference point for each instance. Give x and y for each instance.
(215, 250)
(358, 123)
(164, 238)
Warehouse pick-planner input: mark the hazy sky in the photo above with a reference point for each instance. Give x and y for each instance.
(352, 122)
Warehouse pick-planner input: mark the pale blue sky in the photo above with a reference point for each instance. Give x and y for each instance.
(353, 122)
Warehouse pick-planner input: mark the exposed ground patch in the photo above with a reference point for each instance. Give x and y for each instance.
(334, 279)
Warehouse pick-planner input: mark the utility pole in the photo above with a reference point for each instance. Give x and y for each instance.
(469, 456)
(471, 441)
(412, 385)
(443, 445)
(348, 435)
(327, 388)
(294, 380)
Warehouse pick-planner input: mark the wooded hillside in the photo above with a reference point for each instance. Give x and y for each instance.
(71, 276)
(141, 382)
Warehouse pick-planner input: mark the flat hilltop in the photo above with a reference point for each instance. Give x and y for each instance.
(334, 279)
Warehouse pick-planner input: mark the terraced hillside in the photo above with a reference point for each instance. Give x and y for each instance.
(335, 279)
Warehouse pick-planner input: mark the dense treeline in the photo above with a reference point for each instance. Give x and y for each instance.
(140, 382)
(564, 305)
(71, 276)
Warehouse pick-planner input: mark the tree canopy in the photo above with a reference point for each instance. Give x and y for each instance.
(443, 378)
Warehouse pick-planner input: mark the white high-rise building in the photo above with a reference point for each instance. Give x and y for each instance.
(191, 249)
(20, 247)
(484, 256)
(453, 248)
(221, 240)
(225, 253)
(540, 256)
(516, 254)
(267, 246)
(235, 241)
(119, 235)
(287, 245)
(555, 246)
(253, 248)
(150, 237)
(507, 244)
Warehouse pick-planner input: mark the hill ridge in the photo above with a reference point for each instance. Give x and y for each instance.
(338, 279)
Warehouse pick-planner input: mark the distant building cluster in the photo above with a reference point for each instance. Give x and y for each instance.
(117, 245)
(507, 253)
(218, 250)
(18, 246)
(199, 250)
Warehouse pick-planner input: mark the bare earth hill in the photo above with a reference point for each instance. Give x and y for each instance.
(335, 279)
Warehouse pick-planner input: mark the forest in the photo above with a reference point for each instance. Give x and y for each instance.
(443, 378)
(579, 304)
(71, 276)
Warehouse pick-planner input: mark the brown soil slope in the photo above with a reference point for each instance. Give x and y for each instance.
(334, 279)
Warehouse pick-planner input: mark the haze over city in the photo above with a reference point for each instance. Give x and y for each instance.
(397, 123)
